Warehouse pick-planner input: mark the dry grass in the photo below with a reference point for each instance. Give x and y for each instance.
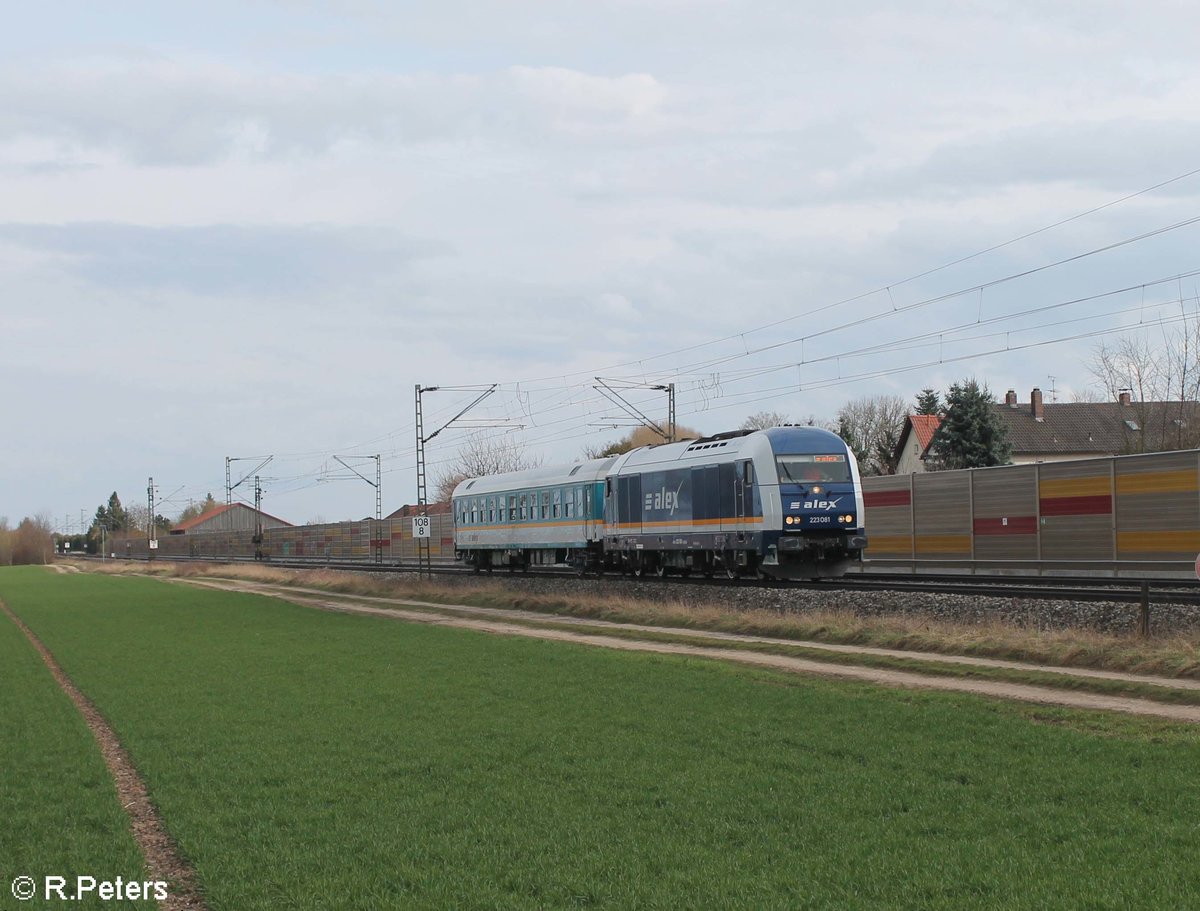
(1175, 656)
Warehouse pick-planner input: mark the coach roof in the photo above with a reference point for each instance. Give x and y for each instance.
(542, 476)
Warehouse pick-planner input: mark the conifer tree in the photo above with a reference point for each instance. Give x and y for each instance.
(928, 401)
(971, 435)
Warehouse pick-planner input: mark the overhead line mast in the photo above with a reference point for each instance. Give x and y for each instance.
(424, 561)
(376, 540)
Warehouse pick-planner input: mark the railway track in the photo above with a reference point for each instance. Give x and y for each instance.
(1061, 588)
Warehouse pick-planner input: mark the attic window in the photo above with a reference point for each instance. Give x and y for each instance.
(1132, 425)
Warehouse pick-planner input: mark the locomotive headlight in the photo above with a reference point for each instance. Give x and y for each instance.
(788, 520)
(816, 488)
(849, 518)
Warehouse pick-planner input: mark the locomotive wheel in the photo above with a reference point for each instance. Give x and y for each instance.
(661, 571)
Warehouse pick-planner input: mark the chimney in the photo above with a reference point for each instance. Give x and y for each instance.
(1010, 398)
(1125, 396)
(1035, 404)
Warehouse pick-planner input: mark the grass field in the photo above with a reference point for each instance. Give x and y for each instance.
(312, 760)
(59, 813)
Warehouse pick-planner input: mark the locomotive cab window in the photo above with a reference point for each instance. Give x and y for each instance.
(805, 469)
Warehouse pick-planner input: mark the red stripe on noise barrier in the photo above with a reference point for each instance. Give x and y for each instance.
(1010, 525)
(879, 498)
(1099, 505)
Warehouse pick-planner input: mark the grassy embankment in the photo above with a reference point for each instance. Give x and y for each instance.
(59, 812)
(316, 760)
(1169, 655)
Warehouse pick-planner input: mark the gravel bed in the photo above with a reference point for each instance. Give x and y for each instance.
(1102, 616)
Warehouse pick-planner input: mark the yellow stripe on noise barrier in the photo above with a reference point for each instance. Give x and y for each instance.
(1158, 482)
(1173, 542)
(1075, 487)
(879, 545)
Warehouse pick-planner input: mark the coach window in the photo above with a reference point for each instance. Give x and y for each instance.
(491, 510)
(522, 507)
(545, 504)
(556, 507)
(512, 509)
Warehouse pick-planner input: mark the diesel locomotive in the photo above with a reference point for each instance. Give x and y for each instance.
(782, 503)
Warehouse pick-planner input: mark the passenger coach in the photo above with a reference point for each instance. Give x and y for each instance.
(541, 516)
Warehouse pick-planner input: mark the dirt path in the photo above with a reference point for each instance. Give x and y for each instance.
(163, 861)
(422, 612)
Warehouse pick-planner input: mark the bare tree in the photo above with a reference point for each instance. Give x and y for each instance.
(871, 427)
(483, 453)
(1163, 381)
(764, 420)
(32, 541)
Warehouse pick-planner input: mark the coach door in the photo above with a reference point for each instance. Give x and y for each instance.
(585, 506)
(741, 479)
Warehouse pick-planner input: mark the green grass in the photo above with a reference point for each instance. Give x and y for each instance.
(915, 664)
(306, 759)
(59, 812)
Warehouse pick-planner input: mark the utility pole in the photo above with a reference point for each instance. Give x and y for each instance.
(231, 487)
(424, 561)
(376, 540)
(151, 530)
(258, 524)
(668, 434)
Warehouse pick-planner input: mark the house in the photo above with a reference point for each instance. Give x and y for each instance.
(1059, 431)
(914, 442)
(228, 517)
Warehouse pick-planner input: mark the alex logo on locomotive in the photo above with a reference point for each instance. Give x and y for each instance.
(821, 503)
(664, 499)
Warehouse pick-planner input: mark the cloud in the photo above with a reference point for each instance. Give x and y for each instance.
(194, 112)
(271, 261)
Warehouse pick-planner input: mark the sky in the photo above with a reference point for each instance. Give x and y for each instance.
(240, 230)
